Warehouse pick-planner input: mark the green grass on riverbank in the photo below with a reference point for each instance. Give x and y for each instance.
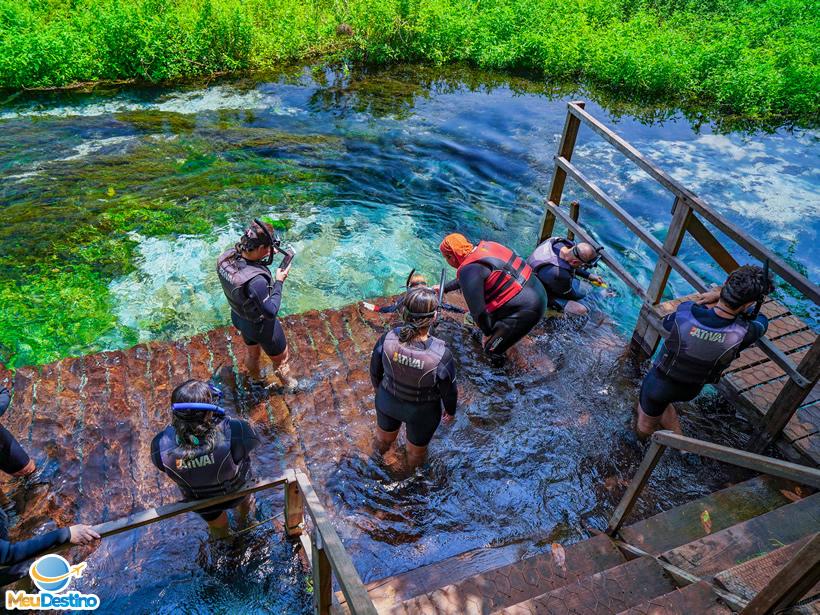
(756, 58)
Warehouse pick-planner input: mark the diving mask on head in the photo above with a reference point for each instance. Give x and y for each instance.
(588, 264)
(271, 240)
(216, 392)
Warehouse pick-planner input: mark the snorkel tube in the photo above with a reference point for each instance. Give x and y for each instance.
(273, 242)
(769, 288)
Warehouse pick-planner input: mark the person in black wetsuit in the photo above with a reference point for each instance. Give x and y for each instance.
(15, 557)
(205, 452)
(415, 280)
(505, 300)
(703, 340)
(255, 297)
(557, 262)
(414, 377)
(13, 459)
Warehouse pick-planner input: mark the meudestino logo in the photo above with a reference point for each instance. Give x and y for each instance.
(52, 575)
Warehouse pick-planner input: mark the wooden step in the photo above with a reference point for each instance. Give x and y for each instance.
(727, 507)
(748, 578)
(608, 592)
(516, 582)
(695, 598)
(758, 536)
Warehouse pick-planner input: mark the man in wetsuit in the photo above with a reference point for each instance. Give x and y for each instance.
(703, 340)
(13, 459)
(255, 297)
(505, 300)
(205, 452)
(414, 376)
(15, 557)
(557, 262)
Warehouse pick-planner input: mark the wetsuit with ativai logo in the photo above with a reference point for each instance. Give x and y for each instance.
(414, 381)
(222, 469)
(700, 346)
(15, 557)
(512, 320)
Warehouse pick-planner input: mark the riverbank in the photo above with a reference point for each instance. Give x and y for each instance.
(759, 60)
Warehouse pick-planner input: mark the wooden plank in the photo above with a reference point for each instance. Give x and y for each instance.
(599, 195)
(785, 326)
(346, 575)
(610, 261)
(630, 498)
(574, 213)
(710, 243)
(559, 176)
(695, 598)
(761, 373)
(322, 579)
(294, 507)
(804, 423)
(763, 397)
(790, 584)
(748, 243)
(787, 343)
(759, 463)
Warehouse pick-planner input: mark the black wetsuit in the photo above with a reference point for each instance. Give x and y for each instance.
(422, 418)
(12, 456)
(243, 441)
(15, 557)
(560, 284)
(268, 333)
(511, 321)
(658, 390)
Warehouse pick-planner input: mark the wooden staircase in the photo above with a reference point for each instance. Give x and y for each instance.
(708, 556)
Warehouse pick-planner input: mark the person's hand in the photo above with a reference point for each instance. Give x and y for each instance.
(596, 278)
(710, 296)
(447, 419)
(282, 274)
(82, 534)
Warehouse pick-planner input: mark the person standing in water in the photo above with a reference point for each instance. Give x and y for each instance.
(414, 377)
(505, 300)
(255, 297)
(206, 453)
(703, 340)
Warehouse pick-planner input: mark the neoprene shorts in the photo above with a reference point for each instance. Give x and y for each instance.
(212, 512)
(658, 391)
(12, 456)
(421, 419)
(269, 334)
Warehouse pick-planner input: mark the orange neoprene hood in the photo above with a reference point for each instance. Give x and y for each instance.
(457, 246)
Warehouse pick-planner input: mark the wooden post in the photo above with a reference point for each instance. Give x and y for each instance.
(294, 507)
(627, 503)
(645, 338)
(574, 212)
(322, 577)
(559, 176)
(789, 585)
(711, 244)
(788, 400)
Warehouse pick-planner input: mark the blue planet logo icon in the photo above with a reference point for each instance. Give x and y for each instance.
(52, 573)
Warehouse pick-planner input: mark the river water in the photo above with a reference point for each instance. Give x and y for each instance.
(116, 203)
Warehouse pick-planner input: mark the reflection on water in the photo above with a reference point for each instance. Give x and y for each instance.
(115, 206)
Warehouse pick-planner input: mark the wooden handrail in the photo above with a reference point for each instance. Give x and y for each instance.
(751, 245)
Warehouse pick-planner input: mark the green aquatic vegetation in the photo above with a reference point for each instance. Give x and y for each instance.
(757, 59)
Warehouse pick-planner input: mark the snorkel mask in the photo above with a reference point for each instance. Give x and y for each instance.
(588, 264)
(272, 241)
(204, 407)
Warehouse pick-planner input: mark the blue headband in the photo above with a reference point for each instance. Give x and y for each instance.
(198, 406)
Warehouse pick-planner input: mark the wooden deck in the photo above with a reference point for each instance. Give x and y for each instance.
(753, 381)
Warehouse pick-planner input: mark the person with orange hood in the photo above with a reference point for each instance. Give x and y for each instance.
(504, 297)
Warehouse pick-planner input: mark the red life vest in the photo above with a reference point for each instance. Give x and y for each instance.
(509, 274)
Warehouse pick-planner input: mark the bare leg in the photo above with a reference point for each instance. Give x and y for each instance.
(252, 362)
(282, 370)
(670, 420)
(384, 439)
(27, 469)
(646, 425)
(415, 455)
(245, 510)
(219, 526)
(573, 308)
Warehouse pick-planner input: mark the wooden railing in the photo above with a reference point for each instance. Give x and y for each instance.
(323, 547)
(687, 211)
(796, 578)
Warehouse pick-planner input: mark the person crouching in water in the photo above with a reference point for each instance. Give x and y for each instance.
(206, 453)
(255, 297)
(557, 262)
(414, 280)
(414, 376)
(704, 338)
(505, 300)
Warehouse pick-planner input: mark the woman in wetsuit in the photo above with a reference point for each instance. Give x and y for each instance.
(255, 296)
(505, 299)
(414, 376)
(206, 453)
(703, 340)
